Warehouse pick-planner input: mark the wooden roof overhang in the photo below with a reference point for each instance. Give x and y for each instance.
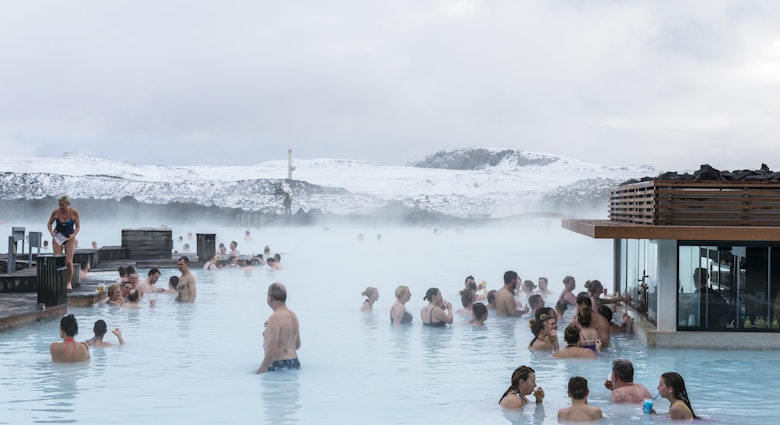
(608, 229)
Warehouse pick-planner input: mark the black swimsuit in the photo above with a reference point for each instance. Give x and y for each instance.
(432, 323)
(406, 319)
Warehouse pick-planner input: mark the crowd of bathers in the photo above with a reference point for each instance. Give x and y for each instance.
(588, 331)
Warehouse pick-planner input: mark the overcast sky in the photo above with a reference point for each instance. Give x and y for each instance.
(672, 84)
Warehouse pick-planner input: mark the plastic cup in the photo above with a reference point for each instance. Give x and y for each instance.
(647, 406)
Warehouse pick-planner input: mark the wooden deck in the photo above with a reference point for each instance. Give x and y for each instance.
(21, 308)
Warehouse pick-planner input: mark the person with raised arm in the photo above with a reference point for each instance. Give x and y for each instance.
(433, 314)
(522, 384)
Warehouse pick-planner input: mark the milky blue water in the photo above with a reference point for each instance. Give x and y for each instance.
(195, 363)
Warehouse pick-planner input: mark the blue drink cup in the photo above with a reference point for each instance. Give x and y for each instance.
(647, 406)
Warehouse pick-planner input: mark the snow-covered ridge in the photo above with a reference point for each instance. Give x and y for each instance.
(496, 182)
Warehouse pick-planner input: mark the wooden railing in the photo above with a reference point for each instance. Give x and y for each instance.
(659, 202)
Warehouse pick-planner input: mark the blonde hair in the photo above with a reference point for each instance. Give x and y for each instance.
(65, 199)
(401, 290)
(370, 290)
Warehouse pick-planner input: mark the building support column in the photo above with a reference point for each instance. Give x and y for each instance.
(667, 285)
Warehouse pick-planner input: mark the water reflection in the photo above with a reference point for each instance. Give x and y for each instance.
(281, 396)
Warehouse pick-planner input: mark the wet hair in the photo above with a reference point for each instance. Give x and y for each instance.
(69, 325)
(522, 373)
(400, 290)
(568, 279)
(623, 370)
(584, 298)
(533, 299)
(561, 306)
(606, 312)
(429, 294)
(370, 290)
(277, 257)
(549, 311)
(584, 316)
(591, 286)
(529, 283)
(234, 243)
(133, 295)
(174, 281)
(278, 292)
(479, 310)
(571, 335)
(65, 199)
(491, 296)
(129, 270)
(122, 270)
(676, 381)
(466, 297)
(112, 289)
(185, 259)
(537, 325)
(508, 276)
(100, 328)
(472, 285)
(578, 387)
(153, 271)
(469, 277)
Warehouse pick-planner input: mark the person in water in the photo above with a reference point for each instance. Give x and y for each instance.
(671, 386)
(67, 226)
(434, 314)
(580, 410)
(115, 296)
(281, 338)
(187, 287)
(100, 330)
(398, 313)
(69, 350)
(545, 330)
(622, 385)
(479, 314)
(371, 294)
(573, 351)
(522, 384)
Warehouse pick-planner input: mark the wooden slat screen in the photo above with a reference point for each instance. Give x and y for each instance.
(697, 204)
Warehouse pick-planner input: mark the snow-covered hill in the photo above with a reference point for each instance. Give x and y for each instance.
(459, 182)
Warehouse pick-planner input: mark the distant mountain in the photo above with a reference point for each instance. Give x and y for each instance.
(460, 182)
(482, 158)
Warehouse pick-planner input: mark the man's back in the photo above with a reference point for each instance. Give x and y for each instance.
(506, 306)
(580, 413)
(281, 334)
(630, 393)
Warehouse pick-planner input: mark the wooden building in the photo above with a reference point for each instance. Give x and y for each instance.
(701, 260)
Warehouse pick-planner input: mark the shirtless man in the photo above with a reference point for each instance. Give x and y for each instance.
(233, 249)
(543, 287)
(580, 410)
(281, 338)
(622, 385)
(187, 287)
(506, 306)
(149, 284)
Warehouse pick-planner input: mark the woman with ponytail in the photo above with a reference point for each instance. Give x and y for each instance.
(522, 384)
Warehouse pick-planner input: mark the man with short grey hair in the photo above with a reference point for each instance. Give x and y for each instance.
(281, 338)
(622, 385)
